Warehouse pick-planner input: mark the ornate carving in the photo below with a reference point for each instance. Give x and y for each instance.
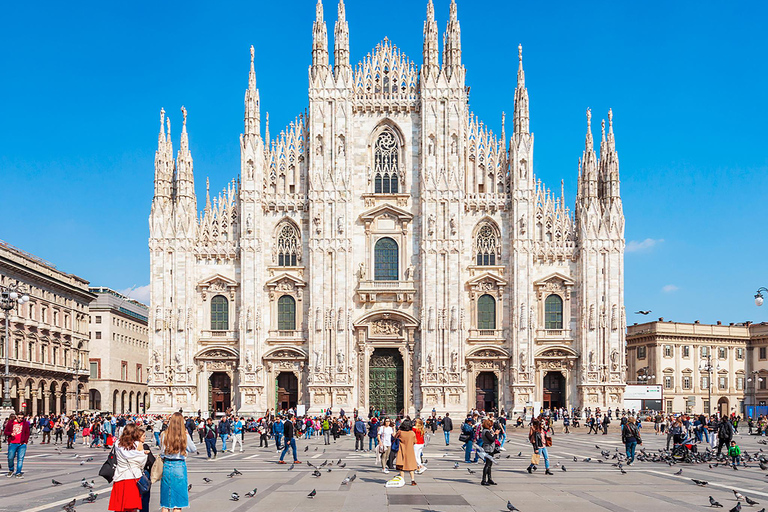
(386, 327)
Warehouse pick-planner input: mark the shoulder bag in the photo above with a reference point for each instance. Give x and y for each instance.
(143, 483)
(107, 470)
(156, 473)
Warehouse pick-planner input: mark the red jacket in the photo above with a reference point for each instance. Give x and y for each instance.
(21, 438)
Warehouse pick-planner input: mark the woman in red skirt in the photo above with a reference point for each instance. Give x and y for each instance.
(131, 458)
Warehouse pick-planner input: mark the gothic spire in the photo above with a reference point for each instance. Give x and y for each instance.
(163, 169)
(185, 181)
(431, 65)
(207, 195)
(341, 43)
(452, 42)
(319, 41)
(252, 118)
(504, 130)
(521, 115)
(611, 162)
(589, 163)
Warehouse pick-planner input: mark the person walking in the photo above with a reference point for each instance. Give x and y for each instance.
(373, 433)
(406, 456)
(46, 425)
(447, 427)
(630, 436)
(326, 428)
(539, 440)
(16, 432)
(277, 430)
(289, 434)
(175, 444)
(58, 432)
(359, 434)
(606, 422)
(488, 441)
(147, 472)
(210, 439)
(71, 429)
(238, 432)
(385, 443)
(418, 447)
(724, 435)
(224, 431)
(467, 436)
(263, 435)
(131, 458)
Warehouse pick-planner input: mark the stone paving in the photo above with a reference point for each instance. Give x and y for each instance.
(584, 486)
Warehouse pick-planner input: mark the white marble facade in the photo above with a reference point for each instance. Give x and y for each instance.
(387, 216)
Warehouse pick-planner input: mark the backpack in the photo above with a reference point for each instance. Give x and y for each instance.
(724, 431)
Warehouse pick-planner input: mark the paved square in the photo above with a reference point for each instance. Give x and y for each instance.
(589, 486)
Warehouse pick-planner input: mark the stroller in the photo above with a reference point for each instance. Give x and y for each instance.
(685, 450)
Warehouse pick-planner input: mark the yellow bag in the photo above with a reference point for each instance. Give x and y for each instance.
(535, 458)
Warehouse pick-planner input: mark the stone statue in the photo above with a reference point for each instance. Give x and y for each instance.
(340, 151)
(521, 222)
(249, 320)
(249, 224)
(522, 361)
(340, 359)
(453, 225)
(454, 361)
(361, 271)
(431, 224)
(430, 363)
(409, 273)
(591, 361)
(454, 319)
(340, 225)
(178, 358)
(316, 222)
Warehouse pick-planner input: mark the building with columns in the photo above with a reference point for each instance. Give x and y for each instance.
(119, 353)
(386, 249)
(48, 353)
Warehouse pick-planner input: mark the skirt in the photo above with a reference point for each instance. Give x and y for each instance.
(173, 486)
(125, 496)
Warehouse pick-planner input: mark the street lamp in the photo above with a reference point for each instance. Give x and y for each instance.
(75, 369)
(706, 366)
(759, 296)
(757, 379)
(10, 296)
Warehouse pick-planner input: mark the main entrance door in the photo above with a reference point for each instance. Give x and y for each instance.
(385, 378)
(486, 385)
(554, 390)
(221, 392)
(287, 391)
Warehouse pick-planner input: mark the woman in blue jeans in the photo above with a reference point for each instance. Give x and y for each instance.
(468, 430)
(538, 438)
(630, 436)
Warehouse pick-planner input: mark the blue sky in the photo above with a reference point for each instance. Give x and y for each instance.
(83, 84)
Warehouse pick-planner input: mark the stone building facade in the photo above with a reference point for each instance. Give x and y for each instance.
(386, 249)
(119, 353)
(678, 355)
(48, 336)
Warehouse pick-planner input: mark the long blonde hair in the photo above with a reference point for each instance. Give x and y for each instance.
(175, 436)
(419, 426)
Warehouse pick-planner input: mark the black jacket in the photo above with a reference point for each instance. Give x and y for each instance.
(447, 424)
(288, 430)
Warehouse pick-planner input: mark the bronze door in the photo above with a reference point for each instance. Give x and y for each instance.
(385, 377)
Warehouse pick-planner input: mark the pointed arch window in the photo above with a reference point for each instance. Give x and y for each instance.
(553, 312)
(385, 260)
(219, 313)
(487, 246)
(288, 245)
(486, 312)
(385, 163)
(286, 313)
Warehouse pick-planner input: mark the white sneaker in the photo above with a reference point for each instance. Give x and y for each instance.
(386, 471)
(503, 449)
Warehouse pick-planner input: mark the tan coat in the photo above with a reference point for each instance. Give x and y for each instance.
(406, 456)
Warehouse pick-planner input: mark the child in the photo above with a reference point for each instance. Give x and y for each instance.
(734, 452)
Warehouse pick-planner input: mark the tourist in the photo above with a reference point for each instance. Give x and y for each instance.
(359, 434)
(175, 444)
(46, 425)
(131, 458)
(724, 435)
(238, 433)
(418, 447)
(71, 429)
(225, 429)
(734, 452)
(210, 438)
(289, 430)
(630, 436)
(16, 433)
(326, 428)
(147, 472)
(467, 437)
(447, 427)
(488, 440)
(539, 440)
(373, 433)
(385, 444)
(263, 433)
(406, 456)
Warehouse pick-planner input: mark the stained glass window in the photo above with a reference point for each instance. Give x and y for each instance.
(486, 312)
(286, 313)
(219, 313)
(385, 163)
(385, 260)
(288, 246)
(553, 312)
(487, 246)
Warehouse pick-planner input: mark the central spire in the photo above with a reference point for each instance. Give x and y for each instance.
(252, 117)
(452, 42)
(521, 115)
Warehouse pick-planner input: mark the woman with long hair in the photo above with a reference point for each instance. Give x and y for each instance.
(385, 443)
(539, 439)
(406, 456)
(175, 443)
(131, 457)
(488, 441)
(418, 447)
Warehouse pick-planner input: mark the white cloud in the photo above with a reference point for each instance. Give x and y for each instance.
(644, 245)
(669, 288)
(139, 293)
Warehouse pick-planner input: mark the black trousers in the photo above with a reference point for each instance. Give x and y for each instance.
(487, 470)
(359, 439)
(721, 443)
(263, 440)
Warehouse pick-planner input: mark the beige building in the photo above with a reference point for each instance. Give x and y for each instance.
(49, 335)
(682, 357)
(119, 353)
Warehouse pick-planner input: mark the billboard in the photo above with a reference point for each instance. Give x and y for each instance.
(643, 397)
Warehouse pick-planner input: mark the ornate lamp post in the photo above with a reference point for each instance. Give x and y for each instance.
(706, 366)
(752, 381)
(10, 297)
(645, 377)
(75, 369)
(759, 296)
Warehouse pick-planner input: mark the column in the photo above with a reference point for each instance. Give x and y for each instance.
(46, 402)
(33, 406)
(57, 403)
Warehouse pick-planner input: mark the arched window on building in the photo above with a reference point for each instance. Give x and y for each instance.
(385, 260)
(219, 313)
(288, 245)
(286, 313)
(385, 163)
(553, 312)
(487, 246)
(486, 312)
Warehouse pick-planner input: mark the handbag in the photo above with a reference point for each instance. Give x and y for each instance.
(108, 468)
(143, 483)
(157, 470)
(535, 458)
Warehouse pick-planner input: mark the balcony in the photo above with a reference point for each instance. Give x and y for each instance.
(286, 336)
(386, 291)
(218, 336)
(554, 335)
(486, 336)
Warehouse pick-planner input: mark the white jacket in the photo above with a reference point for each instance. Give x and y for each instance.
(130, 463)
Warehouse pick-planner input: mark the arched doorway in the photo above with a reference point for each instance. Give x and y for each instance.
(287, 391)
(486, 386)
(130, 402)
(63, 399)
(554, 390)
(122, 402)
(221, 393)
(115, 396)
(52, 408)
(385, 381)
(722, 406)
(94, 400)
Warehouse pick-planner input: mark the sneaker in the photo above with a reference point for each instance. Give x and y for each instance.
(9, 475)
(386, 471)
(297, 462)
(281, 462)
(21, 475)
(503, 449)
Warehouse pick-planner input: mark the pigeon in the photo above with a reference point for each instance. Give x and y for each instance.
(641, 312)
(82, 462)
(89, 459)
(207, 480)
(316, 473)
(189, 487)
(292, 465)
(312, 494)
(563, 468)
(714, 503)
(343, 465)
(323, 464)
(56, 482)
(315, 448)
(471, 472)
(306, 448)
(511, 507)
(520, 454)
(508, 456)
(737, 508)
(575, 459)
(700, 483)
(91, 498)
(71, 504)
(750, 501)
(309, 465)
(345, 481)
(328, 469)
(235, 496)
(338, 462)
(231, 475)
(587, 459)
(236, 472)
(252, 493)
(353, 477)
(738, 495)
(679, 472)
(623, 472)
(455, 465)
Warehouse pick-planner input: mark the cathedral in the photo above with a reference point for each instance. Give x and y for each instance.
(387, 250)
